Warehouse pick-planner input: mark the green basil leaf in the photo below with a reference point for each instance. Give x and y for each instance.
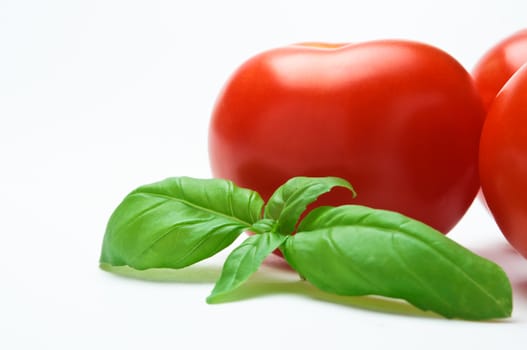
(290, 200)
(177, 222)
(243, 261)
(354, 250)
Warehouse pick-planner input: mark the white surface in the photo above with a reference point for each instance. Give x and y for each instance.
(98, 97)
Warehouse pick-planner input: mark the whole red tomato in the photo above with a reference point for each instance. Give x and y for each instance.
(400, 120)
(498, 64)
(503, 160)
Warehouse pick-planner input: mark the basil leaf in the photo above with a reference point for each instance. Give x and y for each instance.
(244, 261)
(290, 200)
(354, 250)
(177, 222)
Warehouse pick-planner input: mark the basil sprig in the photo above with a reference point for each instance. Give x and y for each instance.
(348, 250)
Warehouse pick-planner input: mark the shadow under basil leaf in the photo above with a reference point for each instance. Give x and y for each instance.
(273, 278)
(192, 274)
(261, 284)
(379, 304)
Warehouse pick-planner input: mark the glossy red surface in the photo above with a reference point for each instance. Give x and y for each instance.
(503, 160)
(498, 64)
(400, 120)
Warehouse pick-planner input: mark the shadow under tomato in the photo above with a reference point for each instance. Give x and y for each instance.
(521, 288)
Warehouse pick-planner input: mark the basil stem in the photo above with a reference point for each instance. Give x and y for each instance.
(290, 200)
(280, 217)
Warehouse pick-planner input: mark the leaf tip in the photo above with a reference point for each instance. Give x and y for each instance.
(105, 266)
(212, 299)
(217, 296)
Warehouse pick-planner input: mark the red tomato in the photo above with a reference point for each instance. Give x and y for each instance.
(496, 67)
(503, 160)
(400, 120)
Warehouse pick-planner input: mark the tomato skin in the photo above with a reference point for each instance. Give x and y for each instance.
(498, 64)
(503, 160)
(400, 120)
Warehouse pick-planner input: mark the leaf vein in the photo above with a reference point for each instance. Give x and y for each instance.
(335, 247)
(192, 205)
(400, 257)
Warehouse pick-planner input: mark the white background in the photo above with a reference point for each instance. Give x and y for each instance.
(99, 97)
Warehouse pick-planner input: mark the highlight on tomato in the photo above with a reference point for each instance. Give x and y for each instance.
(400, 120)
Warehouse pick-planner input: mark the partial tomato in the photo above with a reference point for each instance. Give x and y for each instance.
(499, 63)
(503, 160)
(400, 120)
